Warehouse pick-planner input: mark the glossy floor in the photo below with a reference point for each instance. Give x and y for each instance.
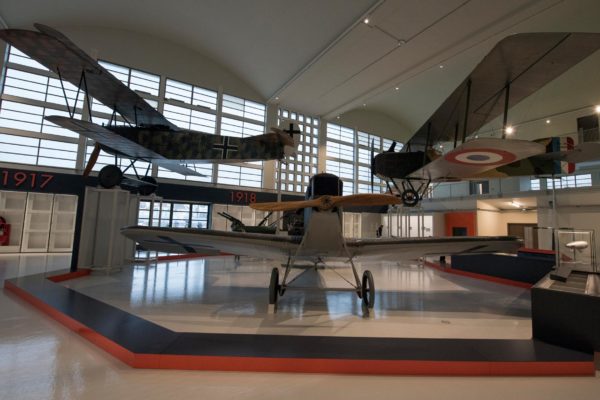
(218, 295)
(40, 359)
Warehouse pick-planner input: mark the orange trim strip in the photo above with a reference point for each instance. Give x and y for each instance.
(337, 366)
(70, 275)
(105, 344)
(474, 275)
(538, 251)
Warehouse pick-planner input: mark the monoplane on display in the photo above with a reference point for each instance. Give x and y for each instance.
(515, 68)
(148, 135)
(322, 240)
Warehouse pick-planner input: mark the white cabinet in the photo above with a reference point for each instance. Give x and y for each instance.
(62, 229)
(40, 222)
(12, 209)
(38, 216)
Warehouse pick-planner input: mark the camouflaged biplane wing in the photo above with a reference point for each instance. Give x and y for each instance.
(150, 136)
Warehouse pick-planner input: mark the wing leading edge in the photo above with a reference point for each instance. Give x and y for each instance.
(177, 240)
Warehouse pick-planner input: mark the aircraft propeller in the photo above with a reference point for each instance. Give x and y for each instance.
(92, 161)
(325, 203)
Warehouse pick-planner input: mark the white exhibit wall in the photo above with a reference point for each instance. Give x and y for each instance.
(495, 223)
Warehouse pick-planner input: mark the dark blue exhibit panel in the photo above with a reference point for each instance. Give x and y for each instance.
(566, 318)
(519, 268)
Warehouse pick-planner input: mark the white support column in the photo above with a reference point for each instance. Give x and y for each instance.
(322, 154)
(268, 175)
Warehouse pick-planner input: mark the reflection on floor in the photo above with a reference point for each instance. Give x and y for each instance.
(41, 359)
(218, 295)
(15, 265)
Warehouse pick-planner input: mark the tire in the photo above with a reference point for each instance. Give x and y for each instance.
(110, 176)
(410, 198)
(147, 190)
(368, 289)
(274, 286)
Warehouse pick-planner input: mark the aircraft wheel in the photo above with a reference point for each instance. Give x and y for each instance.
(147, 190)
(368, 289)
(110, 176)
(274, 286)
(410, 198)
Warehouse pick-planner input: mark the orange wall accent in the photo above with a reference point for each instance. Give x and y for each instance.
(466, 219)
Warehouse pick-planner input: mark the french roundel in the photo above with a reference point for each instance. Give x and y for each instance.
(481, 157)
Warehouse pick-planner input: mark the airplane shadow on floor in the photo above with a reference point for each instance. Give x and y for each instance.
(472, 298)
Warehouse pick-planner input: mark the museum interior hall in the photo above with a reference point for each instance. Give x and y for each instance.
(275, 198)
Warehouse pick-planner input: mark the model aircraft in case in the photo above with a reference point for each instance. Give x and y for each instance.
(149, 136)
(322, 239)
(516, 67)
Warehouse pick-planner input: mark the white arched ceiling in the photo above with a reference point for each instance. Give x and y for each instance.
(317, 57)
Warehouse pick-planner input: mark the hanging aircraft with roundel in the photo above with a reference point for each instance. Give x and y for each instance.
(516, 67)
(147, 136)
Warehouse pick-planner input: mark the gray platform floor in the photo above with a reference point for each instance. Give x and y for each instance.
(41, 359)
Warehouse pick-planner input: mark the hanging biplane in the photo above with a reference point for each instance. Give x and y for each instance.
(148, 135)
(515, 68)
(322, 239)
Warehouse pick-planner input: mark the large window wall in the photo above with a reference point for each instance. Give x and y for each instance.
(173, 214)
(564, 182)
(349, 157)
(30, 92)
(296, 171)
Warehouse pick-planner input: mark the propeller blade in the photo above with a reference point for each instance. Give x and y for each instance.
(365, 199)
(329, 202)
(92, 161)
(392, 147)
(285, 205)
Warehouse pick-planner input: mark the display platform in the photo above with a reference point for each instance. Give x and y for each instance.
(212, 314)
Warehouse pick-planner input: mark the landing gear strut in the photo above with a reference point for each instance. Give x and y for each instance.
(274, 286)
(410, 198)
(410, 195)
(367, 290)
(364, 289)
(111, 176)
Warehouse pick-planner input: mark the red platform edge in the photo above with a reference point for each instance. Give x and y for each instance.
(474, 275)
(308, 365)
(70, 275)
(536, 251)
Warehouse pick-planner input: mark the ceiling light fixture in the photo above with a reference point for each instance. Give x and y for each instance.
(547, 121)
(364, 104)
(597, 109)
(396, 88)
(441, 66)
(401, 42)
(509, 130)
(366, 20)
